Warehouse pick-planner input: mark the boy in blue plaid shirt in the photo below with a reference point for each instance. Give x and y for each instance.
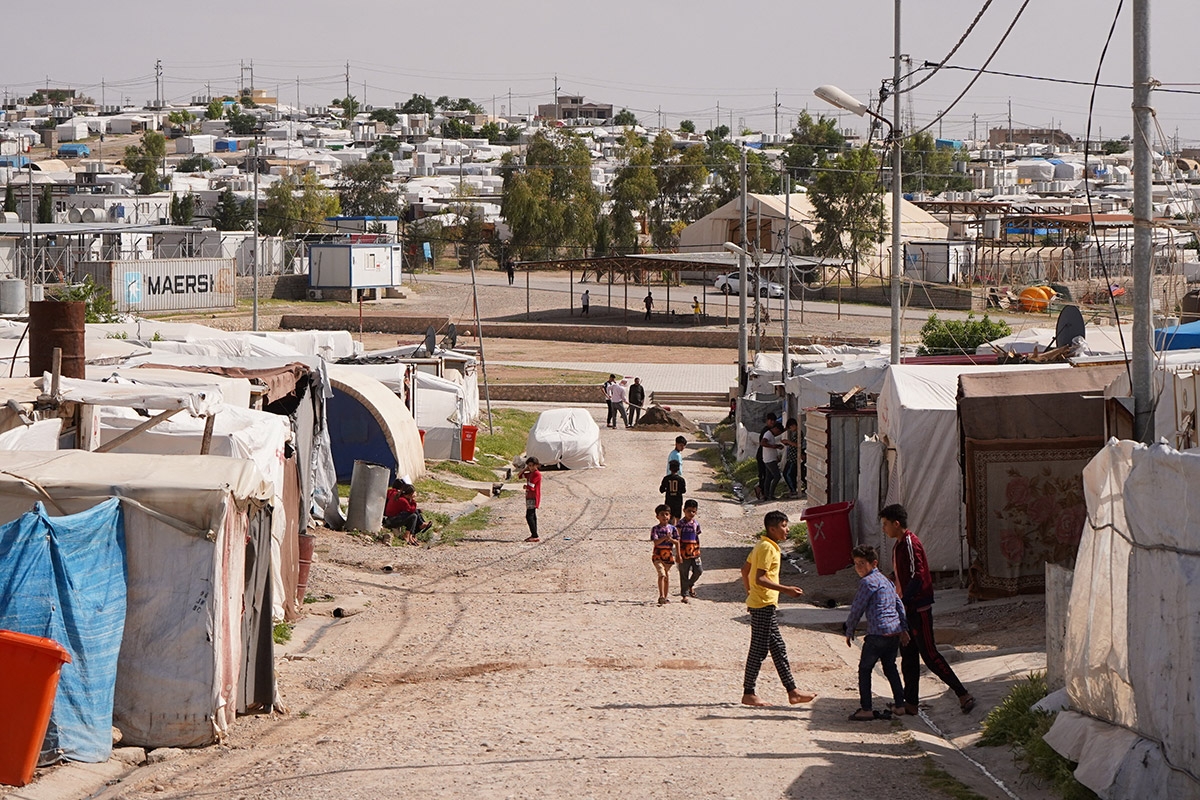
(887, 629)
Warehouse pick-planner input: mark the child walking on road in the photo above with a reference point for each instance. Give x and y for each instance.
(666, 541)
(689, 551)
(914, 584)
(760, 576)
(887, 630)
(533, 495)
(674, 487)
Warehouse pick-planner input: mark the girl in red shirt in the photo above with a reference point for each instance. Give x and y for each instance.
(401, 511)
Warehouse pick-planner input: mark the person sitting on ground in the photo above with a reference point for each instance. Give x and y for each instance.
(887, 632)
(400, 511)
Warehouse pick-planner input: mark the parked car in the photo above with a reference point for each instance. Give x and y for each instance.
(730, 283)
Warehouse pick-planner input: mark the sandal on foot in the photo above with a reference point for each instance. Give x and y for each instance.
(864, 715)
(966, 703)
(912, 709)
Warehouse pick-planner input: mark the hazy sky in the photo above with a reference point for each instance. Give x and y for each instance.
(682, 58)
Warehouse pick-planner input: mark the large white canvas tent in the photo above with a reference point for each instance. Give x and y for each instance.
(568, 437)
(1133, 627)
(187, 523)
(918, 419)
(765, 214)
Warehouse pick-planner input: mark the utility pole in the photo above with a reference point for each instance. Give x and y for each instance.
(974, 128)
(1143, 219)
(787, 275)
(557, 110)
(777, 112)
(158, 84)
(347, 79)
(256, 243)
(1010, 132)
(718, 114)
(742, 280)
(896, 196)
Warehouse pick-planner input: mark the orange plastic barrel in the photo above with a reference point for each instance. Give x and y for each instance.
(29, 668)
(468, 442)
(1036, 298)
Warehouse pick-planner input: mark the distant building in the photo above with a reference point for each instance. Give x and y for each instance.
(998, 136)
(573, 107)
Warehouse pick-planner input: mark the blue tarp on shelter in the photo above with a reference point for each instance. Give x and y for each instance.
(64, 578)
(1178, 337)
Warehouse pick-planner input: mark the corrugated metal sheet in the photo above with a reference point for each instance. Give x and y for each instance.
(167, 284)
(831, 452)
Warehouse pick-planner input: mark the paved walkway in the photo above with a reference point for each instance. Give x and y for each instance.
(655, 377)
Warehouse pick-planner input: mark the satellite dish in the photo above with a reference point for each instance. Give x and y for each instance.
(451, 336)
(430, 341)
(1070, 326)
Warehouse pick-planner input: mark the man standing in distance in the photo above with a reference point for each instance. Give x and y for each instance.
(637, 401)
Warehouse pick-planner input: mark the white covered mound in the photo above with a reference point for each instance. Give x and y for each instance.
(568, 437)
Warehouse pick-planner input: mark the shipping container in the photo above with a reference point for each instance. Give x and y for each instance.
(74, 150)
(354, 266)
(167, 284)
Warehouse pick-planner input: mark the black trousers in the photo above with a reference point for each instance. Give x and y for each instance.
(921, 647)
(531, 520)
(882, 650)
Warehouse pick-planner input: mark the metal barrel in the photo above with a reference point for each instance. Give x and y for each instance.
(53, 323)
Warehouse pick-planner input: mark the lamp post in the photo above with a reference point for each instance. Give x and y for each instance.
(836, 97)
(743, 254)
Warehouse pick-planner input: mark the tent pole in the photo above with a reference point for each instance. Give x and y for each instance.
(526, 294)
(625, 314)
(571, 287)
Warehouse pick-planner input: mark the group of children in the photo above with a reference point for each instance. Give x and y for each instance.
(400, 512)
(676, 537)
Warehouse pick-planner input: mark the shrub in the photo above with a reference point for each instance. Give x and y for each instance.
(949, 336)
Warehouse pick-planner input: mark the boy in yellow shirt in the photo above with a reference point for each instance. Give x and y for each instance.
(760, 576)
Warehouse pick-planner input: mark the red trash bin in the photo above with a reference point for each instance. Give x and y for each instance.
(829, 535)
(29, 667)
(468, 442)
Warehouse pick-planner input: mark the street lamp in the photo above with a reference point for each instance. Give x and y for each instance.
(836, 97)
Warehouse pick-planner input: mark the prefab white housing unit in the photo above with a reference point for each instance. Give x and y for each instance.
(199, 143)
(354, 266)
(936, 261)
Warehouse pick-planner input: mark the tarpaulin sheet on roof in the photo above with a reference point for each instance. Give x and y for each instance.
(1178, 337)
(1133, 626)
(280, 380)
(198, 401)
(63, 578)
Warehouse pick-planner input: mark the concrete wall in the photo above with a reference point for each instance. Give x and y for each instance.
(576, 395)
(604, 334)
(275, 287)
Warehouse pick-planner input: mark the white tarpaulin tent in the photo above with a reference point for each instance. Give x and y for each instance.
(568, 437)
(187, 519)
(402, 439)
(918, 419)
(812, 386)
(1132, 649)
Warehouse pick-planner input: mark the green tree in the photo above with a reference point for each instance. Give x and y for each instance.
(1114, 147)
(389, 145)
(427, 231)
(145, 158)
(240, 124)
(724, 162)
(349, 110)
(216, 108)
(491, 131)
(246, 98)
(470, 234)
(297, 206)
(364, 190)
(457, 129)
(681, 177)
(230, 214)
(512, 133)
(625, 117)
(949, 336)
(196, 163)
(687, 126)
(418, 104)
(387, 116)
(45, 208)
(549, 202)
(717, 134)
(10, 198)
(634, 188)
(813, 142)
(925, 168)
(183, 209)
(848, 204)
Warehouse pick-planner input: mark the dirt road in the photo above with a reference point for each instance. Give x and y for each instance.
(510, 670)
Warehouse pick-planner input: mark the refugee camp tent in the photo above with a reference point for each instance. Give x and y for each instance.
(1132, 631)
(368, 422)
(918, 420)
(195, 615)
(1176, 390)
(1098, 339)
(454, 365)
(438, 405)
(567, 437)
(812, 384)
(1024, 443)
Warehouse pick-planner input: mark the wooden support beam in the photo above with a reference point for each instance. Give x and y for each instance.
(145, 426)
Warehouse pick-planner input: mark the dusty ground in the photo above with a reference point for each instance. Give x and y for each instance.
(498, 669)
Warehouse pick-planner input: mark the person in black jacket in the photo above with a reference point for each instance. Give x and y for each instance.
(637, 401)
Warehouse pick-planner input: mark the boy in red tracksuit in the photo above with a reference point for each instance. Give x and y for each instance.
(914, 584)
